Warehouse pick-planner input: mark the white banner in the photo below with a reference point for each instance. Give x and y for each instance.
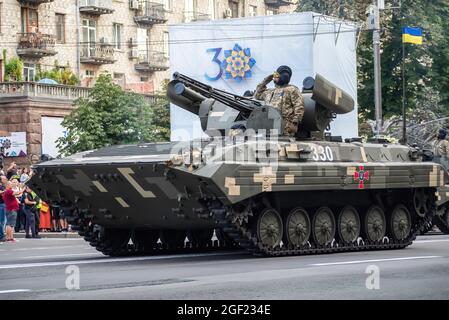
(18, 142)
(308, 43)
(51, 131)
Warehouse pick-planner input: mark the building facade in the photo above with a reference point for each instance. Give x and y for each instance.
(127, 38)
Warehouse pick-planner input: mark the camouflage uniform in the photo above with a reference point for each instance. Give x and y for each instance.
(287, 99)
(441, 148)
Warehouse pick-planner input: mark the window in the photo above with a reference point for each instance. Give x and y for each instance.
(144, 79)
(252, 11)
(117, 35)
(167, 5)
(142, 43)
(90, 73)
(211, 9)
(271, 12)
(166, 44)
(189, 10)
(119, 78)
(29, 71)
(89, 37)
(1, 21)
(29, 20)
(60, 28)
(234, 6)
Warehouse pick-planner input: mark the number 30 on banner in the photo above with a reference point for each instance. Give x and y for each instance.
(215, 59)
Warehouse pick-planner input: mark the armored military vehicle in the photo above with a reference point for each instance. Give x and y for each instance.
(258, 189)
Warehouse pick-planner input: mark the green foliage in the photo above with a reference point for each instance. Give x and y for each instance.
(13, 68)
(160, 118)
(62, 75)
(427, 66)
(111, 116)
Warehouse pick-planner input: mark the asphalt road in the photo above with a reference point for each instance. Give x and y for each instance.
(41, 269)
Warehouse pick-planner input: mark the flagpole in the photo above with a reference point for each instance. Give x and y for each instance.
(404, 127)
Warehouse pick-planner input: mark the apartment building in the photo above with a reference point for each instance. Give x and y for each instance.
(127, 38)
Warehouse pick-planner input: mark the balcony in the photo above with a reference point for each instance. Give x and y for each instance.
(35, 45)
(150, 13)
(97, 53)
(96, 7)
(34, 2)
(32, 90)
(278, 3)
(191, 16)
(152, 61)
(14, 91)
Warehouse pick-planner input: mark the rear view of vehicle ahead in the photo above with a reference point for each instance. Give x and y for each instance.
(256, 188)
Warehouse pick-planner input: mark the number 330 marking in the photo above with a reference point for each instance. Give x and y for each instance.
(322, 154)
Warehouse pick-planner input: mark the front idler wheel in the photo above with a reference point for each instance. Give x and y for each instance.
(400, 223)
(323, 226)
(269, 228)
(297, 227)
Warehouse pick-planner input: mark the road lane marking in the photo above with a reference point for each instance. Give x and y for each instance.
(430, 241)
(45, 248)
(370, 261)
(15, 291)
(109, 260)
(62, 255)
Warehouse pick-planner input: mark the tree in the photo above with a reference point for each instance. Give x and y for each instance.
(109, 116)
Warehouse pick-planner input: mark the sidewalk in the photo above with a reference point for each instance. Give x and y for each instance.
(50, 235)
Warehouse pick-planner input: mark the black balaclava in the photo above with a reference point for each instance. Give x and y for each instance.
(285, 73)
(442, 134)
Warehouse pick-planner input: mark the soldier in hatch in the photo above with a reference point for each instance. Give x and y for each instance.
(285, 97)
(441, 145)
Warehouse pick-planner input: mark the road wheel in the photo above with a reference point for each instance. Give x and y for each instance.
(348, 225)
(269, 228)
(145, 240)
(422, 202)
(200, 238)
(323, 226)
(114, 242)
(374, 225)
(400, 223)
(297, 227)
(173, 239)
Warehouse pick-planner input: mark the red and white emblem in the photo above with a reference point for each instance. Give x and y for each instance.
(361, 177)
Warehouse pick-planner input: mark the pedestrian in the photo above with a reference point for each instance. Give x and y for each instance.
(45, 217)
(11, 171)
(285, 97)
(441, 145)
(30, 210)
(25, 176)
(3, 181)
(12, 206)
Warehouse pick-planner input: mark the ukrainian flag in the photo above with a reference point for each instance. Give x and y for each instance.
(412, 35)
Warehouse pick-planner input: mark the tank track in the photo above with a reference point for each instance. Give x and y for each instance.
(442, 223)
(92, 234)
(240, 234)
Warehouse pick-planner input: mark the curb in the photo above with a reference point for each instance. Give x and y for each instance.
(51, 235)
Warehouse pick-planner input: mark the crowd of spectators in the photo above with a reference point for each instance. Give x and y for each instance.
(21, 209)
